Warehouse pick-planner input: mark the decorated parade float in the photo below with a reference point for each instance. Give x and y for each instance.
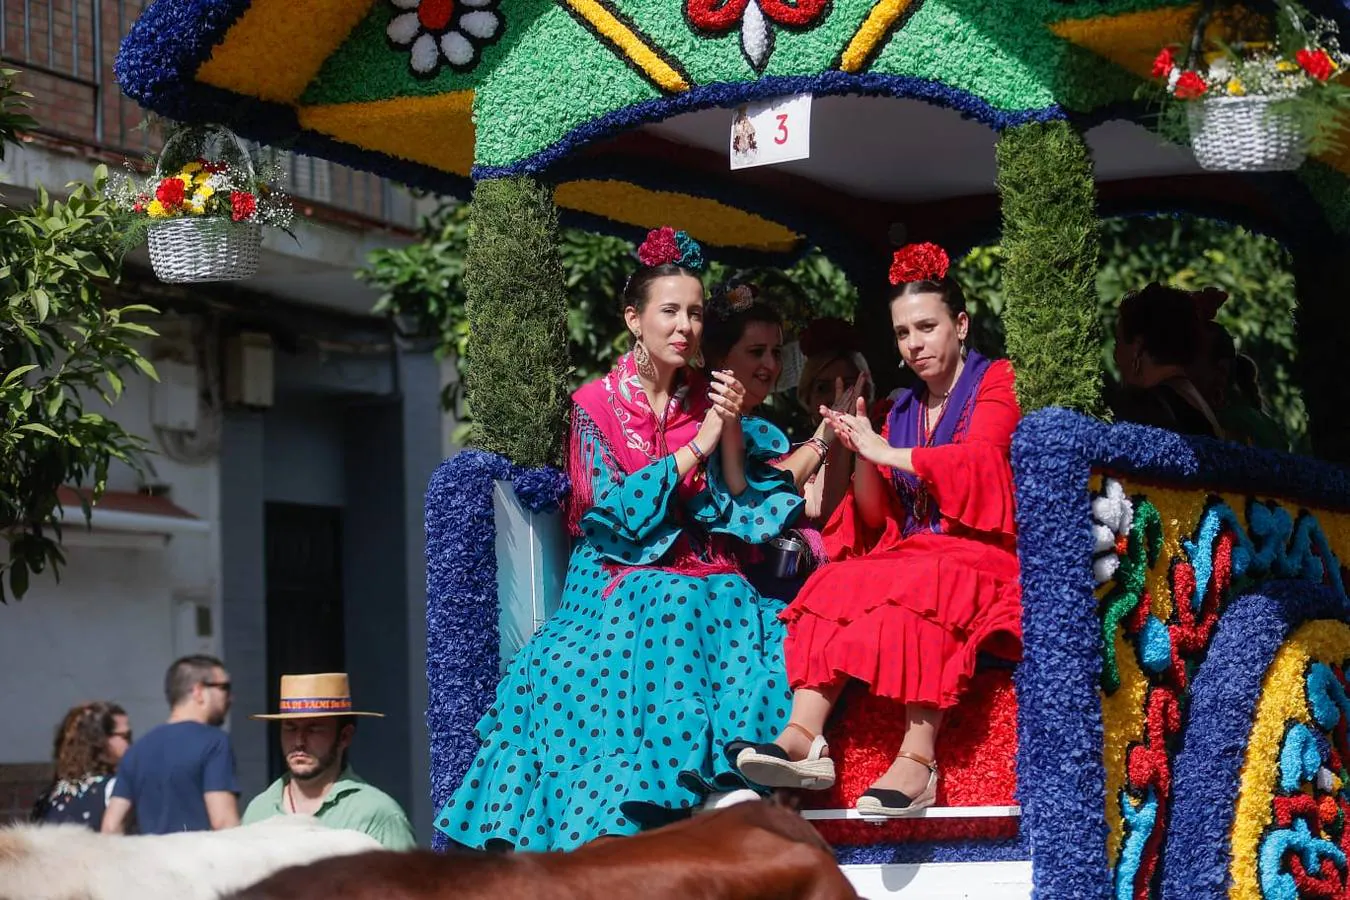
(1178, 726)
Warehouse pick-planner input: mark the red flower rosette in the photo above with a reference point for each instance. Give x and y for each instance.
(1317, 63)
(1164, 63)
(170, 192)
(919, 262)
(659, 248)
(1190, 86)
(242, 205)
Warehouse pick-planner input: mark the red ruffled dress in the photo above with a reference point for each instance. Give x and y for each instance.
(907, 607)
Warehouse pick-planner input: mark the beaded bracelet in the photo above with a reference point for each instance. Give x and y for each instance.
(818, 445)
(698, 453)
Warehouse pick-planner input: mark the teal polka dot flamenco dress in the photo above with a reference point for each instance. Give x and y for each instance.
(661, 653)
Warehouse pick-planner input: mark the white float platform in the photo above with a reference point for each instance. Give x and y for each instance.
(942, 881)
(932, 812)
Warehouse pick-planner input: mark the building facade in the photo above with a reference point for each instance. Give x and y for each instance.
(279, 522)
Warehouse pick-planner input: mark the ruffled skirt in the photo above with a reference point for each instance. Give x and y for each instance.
(621, 702)
(909, 622)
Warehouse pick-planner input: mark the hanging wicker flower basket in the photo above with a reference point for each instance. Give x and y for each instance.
(203, 209)
(1243, 134)
(185, 250)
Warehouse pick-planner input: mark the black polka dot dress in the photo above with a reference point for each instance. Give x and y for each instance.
(630, 692)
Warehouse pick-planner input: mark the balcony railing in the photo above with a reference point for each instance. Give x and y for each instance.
(66, 49)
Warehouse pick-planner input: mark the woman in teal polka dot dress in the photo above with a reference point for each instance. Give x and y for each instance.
(658, 656)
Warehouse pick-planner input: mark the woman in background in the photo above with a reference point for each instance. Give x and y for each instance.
(90, 742)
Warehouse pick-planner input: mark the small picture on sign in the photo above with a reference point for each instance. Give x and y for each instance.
(743, 146)
(771, 131)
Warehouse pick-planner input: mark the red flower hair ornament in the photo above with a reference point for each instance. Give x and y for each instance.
(665, 245)
(919, 262)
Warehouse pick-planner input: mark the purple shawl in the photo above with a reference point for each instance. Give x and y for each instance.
(903, 431)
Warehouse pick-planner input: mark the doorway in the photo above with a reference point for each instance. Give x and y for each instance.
(305, 622)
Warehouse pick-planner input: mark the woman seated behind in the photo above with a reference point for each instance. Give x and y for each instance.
(1158, 334)
(657, 655)
(834, 373)
(743, 334)
(924, 572)
(1230, 382)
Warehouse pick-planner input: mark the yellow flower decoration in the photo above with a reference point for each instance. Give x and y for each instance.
(192, 167)
(1285, 65)
(197, 208)
(201, 178)
(187, 181)
(205, 193)
(157, 210)
(1235, 88)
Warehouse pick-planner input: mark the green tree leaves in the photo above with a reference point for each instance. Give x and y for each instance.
(59, 343)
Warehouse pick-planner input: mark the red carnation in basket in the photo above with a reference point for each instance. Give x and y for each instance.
(1189, 86)
(1317, 63)
(170, 192)
(919, 262)
(242, 205)
(1164, 63)
(659, 248)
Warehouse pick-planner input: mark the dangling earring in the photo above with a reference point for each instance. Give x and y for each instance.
(1138, 365)
(696, 361)
(902, 362)
(643, 359)
(963, 348)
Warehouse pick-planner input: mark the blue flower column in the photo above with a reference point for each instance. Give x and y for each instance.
(1051, 242)
(517, 360)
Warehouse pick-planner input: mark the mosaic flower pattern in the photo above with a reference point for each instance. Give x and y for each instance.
(452, 32)
(756, 19)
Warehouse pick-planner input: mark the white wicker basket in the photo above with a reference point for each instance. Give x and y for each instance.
(206, 249)
(1243, 134)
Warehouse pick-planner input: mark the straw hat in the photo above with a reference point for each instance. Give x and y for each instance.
(308, 696)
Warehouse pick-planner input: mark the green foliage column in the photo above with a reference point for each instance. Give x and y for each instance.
(517, 363)
(1051, 244)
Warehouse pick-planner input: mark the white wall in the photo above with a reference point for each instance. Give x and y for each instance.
(106, 632)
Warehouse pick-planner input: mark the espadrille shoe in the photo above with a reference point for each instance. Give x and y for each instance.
(769, 765)
(898, 804)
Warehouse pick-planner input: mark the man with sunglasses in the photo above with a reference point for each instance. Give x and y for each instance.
(180, 775)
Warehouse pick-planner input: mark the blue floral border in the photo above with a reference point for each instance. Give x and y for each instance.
(729, 94)
(1224, 695)
(463, 641)
(1061, 775)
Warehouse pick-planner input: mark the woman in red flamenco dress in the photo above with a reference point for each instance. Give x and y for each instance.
(923, 572)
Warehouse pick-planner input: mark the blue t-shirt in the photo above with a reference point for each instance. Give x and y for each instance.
(165, 774)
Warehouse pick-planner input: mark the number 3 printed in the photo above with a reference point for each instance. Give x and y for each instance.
(782, 136)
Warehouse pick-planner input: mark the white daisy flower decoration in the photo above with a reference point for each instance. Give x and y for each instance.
(1112, 516)
(452, 31)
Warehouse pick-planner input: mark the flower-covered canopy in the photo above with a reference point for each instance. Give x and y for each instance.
(439, 92)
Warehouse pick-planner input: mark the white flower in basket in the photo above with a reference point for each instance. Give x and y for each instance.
(204, 222)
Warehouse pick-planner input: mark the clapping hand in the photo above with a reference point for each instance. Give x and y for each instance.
(727, 395)
(856, 433)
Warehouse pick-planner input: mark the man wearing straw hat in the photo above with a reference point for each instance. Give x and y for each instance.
(317, 726)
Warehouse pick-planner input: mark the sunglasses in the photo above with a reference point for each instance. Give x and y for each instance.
(223, 685)
(124, 735)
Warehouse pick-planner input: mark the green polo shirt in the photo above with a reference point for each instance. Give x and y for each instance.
(352, 804)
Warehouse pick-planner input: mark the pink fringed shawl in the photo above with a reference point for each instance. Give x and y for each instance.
(619, 419)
